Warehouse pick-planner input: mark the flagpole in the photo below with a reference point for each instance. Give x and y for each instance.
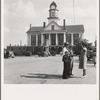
(74, 11)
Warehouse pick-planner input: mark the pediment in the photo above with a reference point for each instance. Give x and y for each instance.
(49, 26)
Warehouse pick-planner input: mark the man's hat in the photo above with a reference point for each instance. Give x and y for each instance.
(66, 43)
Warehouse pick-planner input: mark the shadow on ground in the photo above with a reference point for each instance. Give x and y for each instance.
(45, 76)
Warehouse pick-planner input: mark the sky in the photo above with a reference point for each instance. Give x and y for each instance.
(19, 14)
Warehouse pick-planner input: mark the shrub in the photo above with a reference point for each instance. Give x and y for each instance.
(77, 49)
(28, 53)
(40, 53)
(53, 53)
(46, 54)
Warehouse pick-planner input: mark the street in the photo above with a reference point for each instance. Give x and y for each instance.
(44, 70)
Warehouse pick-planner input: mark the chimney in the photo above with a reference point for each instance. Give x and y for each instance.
(64, 23)
(43, 24)
(30, 26)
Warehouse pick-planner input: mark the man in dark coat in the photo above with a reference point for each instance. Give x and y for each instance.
(66, 59)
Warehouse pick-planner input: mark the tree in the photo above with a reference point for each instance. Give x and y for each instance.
(95, 42)
(77, 48)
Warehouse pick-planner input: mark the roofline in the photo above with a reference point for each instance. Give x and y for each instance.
(57, 25)
(50, 23)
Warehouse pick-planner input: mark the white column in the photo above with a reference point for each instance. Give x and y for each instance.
(80, 36)
(36, 39)
(71, 39)
(64, 37)
(29, 39)
(56, 39)
(49, 40)
(41, 39)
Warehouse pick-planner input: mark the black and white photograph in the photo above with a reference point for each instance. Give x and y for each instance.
(51, 42)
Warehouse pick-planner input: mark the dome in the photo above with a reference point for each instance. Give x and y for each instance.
(53, 3)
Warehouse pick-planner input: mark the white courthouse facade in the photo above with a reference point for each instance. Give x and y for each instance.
(53, 34)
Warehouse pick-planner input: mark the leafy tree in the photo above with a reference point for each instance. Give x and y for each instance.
(77, 48)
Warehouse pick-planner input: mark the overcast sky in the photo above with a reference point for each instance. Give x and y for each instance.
(19, 14)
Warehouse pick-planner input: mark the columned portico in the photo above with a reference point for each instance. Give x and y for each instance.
(56, 38)
(53, 37)
(54, 34)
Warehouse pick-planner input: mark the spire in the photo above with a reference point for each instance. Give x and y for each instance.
(53, 12)
(53, 3)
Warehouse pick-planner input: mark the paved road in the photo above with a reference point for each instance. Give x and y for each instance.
(44, 70)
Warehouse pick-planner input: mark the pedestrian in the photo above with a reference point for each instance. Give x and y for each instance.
(83, 59)
(94, 58)
(7, 54)
(66, 48)
(66, 61)
(71, 56)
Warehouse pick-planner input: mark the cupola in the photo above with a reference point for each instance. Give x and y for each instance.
(53, 13)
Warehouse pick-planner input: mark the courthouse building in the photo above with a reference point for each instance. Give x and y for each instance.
(53, 34)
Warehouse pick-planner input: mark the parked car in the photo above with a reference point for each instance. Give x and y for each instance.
(89, 55)
(8, 54)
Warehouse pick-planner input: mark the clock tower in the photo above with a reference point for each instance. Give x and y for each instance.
(53, 13)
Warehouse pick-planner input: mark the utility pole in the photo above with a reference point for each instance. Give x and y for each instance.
(74, 11)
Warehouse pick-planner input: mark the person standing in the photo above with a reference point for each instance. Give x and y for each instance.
(94, 59)
(66, 48)
(71, 63)
(66, 61)
(83, 59)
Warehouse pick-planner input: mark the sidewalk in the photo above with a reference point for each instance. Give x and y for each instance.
(44, 70)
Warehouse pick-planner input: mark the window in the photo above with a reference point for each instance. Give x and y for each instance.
(76, 39)
(23, 48)
(53, 14)
(12, 49)
(33, 39)
(53, 39)
(68, 38)
(39, 39)
(60, 39)
(19, 48)
(52, 27)
(46, 37)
